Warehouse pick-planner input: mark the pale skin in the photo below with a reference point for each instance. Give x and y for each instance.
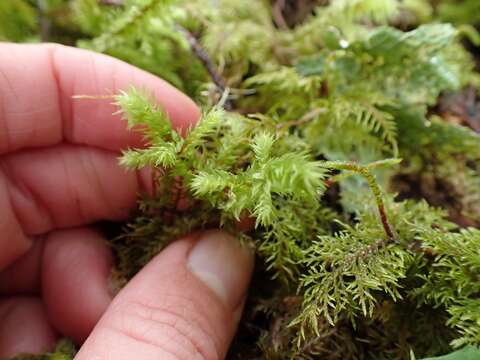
(58, 176)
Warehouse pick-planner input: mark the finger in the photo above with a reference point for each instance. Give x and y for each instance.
(64, 186)
(23, 276)
(13, 241)
(37, 83)
(184, 304)
(24, 327)
(76, 267)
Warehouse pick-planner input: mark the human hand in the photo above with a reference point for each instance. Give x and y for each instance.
(58, 174)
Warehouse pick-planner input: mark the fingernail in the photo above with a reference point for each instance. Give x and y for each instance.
(223, 264)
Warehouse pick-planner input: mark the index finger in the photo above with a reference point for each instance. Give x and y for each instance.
(37, 83)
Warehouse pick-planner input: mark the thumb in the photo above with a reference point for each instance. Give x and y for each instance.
(185, 304)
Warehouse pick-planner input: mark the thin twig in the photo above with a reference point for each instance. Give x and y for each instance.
(45, 24)
(111, 2)
(307, 347)
(277, 12)
(202, 55)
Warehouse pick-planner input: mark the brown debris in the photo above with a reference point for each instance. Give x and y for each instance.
(436, 191)
(462, 108)
(289, 13)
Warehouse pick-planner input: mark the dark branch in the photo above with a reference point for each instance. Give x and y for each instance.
(202, 55)
(111, 2)
(44, 21)
(277, 12)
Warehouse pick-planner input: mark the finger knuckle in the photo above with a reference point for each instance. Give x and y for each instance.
(174, 330)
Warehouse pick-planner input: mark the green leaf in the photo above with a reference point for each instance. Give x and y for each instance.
(314, 66)
(468, 353)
